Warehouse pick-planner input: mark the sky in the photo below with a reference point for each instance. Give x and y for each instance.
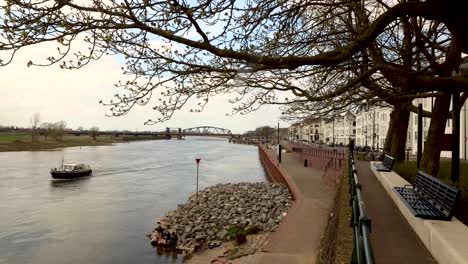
(74, 95)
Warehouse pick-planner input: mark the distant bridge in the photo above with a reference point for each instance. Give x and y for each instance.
(208, 131)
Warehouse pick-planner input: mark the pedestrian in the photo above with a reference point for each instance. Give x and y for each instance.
(159, 229)
(167, 236)
(174, 239)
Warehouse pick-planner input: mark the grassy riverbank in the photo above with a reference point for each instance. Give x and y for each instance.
(23, 142)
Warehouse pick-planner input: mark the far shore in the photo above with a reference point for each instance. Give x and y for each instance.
(24, 142)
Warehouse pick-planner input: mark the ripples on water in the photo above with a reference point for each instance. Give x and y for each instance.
(104, 218)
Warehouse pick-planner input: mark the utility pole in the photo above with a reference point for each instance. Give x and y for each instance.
(420, 135)
(456, 137)
(279, 145)
(373, 129)
(464, 122)
(367, 115)
(333, 129)
(278, 134)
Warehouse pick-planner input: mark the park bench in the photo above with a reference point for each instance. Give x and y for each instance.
(429, 197)
(386, 164)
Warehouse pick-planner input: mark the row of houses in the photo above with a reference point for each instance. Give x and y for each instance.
(339, 130)
(369, 128)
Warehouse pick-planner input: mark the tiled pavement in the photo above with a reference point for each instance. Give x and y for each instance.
(298, 237)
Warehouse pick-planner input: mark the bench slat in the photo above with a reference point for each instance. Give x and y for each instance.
(430, 198)
(386, 164)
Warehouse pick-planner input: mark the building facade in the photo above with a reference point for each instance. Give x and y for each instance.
(338, 130)
(427, 105)
(372, 127)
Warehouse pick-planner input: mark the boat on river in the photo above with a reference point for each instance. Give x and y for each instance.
(71, 171)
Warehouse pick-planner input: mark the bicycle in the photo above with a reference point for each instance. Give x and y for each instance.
(371, 155)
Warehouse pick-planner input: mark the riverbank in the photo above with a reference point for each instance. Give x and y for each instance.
(227, 212)
(23, 141)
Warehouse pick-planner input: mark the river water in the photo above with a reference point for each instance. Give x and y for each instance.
(104, 218)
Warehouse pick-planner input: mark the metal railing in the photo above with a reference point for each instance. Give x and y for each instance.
(361, 224)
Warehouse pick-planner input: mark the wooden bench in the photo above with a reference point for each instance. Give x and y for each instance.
(386, 164)
(429, 197)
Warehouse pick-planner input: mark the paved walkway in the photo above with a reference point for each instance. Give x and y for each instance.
(392, 238)
(297, 239)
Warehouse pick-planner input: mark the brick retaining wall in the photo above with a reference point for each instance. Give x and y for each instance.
(276, 173)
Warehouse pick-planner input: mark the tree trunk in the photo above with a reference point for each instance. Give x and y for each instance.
(433, 146)
(395, 142)
(400, 134)
(391, 130)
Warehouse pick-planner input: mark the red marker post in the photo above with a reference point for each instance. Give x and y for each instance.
(198, 163)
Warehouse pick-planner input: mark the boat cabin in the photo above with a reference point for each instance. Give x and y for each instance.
(75, 167)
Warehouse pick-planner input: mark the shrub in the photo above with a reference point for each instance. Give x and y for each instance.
(235, 232)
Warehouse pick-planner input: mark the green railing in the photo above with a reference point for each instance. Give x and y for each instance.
(361, 224)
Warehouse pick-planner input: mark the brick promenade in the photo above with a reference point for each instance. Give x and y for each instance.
(297, 239)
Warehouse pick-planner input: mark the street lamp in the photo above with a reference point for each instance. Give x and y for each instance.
(373, 129)
(279, 145)
(278, 133)
(366, 130)
(333, 132)
(464, 124)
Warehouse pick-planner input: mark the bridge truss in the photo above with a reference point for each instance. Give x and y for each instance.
(207, 130)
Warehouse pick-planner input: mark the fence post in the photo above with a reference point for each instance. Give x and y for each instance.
(360, 223)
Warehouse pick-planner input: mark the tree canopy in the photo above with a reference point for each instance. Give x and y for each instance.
(332, 54)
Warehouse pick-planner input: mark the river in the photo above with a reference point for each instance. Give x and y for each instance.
(104, 218)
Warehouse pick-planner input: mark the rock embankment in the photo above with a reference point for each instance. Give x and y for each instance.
(219, 208)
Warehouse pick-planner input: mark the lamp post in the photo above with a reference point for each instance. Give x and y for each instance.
(373, 129)
(464, 122)
(279, 145)
(366, 130)
(333, 132)
(278, 134)
(198, 163)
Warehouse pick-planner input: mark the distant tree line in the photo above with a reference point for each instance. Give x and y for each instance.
(264, 132)
(56, 130)
(48, 130)
(12, 128)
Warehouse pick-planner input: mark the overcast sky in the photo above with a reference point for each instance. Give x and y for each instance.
(73, 96)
